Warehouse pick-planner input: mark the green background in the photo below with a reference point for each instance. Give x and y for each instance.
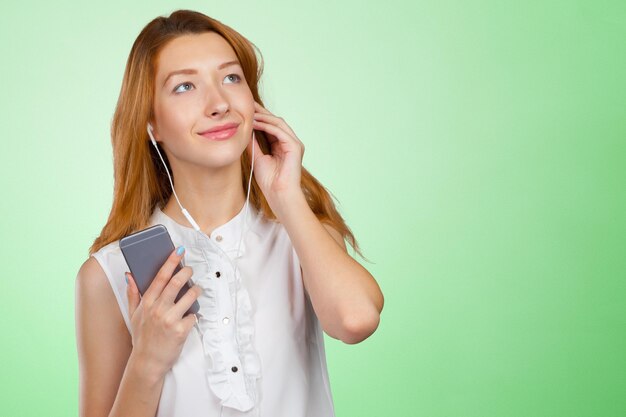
(477, 151)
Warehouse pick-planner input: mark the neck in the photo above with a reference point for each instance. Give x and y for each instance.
(212, 197)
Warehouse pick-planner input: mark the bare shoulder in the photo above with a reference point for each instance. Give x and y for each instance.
(92, 286)
(91, 275)
(103, 341)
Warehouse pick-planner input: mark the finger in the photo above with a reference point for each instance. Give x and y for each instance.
(271, 139)
(189, 321)
(279, 122)
(270, 118)
(163, 276)
(175, 284)
(279, 134)
(132, 294)
(259, 108)
(266, 115)
(182, 305)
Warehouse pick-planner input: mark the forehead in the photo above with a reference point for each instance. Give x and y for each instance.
(202, 51)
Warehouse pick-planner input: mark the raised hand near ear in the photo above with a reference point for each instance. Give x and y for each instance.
(279, 172)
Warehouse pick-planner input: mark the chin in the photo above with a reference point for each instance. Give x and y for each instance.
(221, 161)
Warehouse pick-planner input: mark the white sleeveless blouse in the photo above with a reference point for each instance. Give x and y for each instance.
(269, 362)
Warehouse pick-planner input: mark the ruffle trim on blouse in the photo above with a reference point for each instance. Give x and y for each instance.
(218, 370)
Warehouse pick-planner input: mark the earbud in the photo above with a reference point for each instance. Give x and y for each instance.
(152, 137)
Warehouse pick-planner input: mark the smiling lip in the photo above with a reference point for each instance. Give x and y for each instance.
(221, 132)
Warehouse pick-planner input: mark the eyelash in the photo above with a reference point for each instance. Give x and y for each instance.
(187, 82)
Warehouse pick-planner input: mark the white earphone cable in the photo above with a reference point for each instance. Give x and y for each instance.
(197, 228)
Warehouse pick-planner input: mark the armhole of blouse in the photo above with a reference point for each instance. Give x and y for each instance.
(120, 301)
(297, 261)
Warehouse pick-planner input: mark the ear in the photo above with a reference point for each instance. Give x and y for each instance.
(152, 132)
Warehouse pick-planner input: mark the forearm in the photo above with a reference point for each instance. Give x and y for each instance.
(139, 391)
(345, 296)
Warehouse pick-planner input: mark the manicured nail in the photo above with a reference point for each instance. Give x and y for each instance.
(180, 250)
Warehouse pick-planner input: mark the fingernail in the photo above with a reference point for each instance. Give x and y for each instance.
(180, 250)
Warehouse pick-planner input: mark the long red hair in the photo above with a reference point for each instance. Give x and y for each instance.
(140, 182)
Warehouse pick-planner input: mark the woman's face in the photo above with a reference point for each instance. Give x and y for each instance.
(207, 96)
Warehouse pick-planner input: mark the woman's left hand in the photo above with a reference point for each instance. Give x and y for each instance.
(277, 173)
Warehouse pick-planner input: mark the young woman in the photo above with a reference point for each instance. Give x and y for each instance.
(258, 235)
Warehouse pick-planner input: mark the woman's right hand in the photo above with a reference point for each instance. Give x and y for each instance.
(159, 330)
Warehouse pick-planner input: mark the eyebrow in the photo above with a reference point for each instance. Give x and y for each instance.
(194, 71)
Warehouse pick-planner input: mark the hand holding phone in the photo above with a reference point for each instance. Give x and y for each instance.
(162, 318)
(145, 252)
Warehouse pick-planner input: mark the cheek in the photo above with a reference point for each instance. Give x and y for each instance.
(245, 102)
(173, 120)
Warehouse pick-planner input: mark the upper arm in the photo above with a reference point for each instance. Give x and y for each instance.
(336, 235)
(103, 341)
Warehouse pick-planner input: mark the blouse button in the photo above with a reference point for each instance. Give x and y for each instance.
(218, 238)
(234, 369)
(217, 274)
(225, 320)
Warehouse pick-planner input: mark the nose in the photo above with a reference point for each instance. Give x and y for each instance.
(216, 104)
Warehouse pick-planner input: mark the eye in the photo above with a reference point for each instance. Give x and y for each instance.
(236, 75)
(188, 83)
(180, 85)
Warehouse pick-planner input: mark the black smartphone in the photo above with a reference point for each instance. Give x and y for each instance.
(145, 252)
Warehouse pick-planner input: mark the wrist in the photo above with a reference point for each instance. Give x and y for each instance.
(288, 201)
(144, 370)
